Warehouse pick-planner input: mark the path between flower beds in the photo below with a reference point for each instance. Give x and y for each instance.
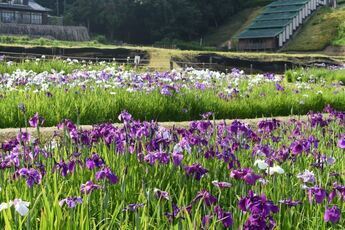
(47, 132)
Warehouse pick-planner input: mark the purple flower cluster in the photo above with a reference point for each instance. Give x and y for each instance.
(36, 121)
(88, 187)
(71, 202)
(196, 171)
(106, 173)
(66, 168)
(95, 161)
(245, 174)
(31, 175)
(317, 193)
(260, 209)
(332, 214)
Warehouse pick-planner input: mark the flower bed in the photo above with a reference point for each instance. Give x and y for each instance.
(97, 96)
(275, 174)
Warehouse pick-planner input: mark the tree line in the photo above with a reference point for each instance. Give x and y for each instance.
(147, 21)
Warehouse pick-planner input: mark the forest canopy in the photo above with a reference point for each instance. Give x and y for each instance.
(147, 21)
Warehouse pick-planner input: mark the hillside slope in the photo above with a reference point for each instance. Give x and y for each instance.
(219, 36)
(326, 27)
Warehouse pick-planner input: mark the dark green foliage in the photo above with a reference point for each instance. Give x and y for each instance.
(148, 21)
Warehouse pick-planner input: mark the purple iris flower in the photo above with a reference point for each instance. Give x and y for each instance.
(316, 119)
(133, 207)
(341, 142)
(88, 187)
(279, 87)
(338, 190)
(221, 185)
(66, 167)
(290, 202)
(163, 157)
(332, 215)
(195, 170)
(225, 217)
(36, 120)
(94, 161)
(168, 90)
(173, 215)
(161, 194)
(177, 158)
(106, 173)
(245, 174)
(257, 221)
(297, 147)
(307, 177)
(257, 204)
(206, 220)
(23, 137)
(206, 197)
(125, 117)
(150, 158)
(268, 125)
(260, 209)
(71, 202)
(207, 116)
(32, 176)
(318, 193)
(9, 145)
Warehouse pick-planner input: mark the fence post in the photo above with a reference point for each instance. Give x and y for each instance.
(285, 67)
(251, 69)
(171, 65)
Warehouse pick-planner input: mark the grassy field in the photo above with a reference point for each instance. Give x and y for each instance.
(54, 65)
(100, 106)
(315, 75)
(89, 97)
(24, 40)
(325, 28)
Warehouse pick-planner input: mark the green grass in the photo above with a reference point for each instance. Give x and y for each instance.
(41, 65)
(99, 105)
(340, 39)
(24, 40)
(315, 75)
(323, 29)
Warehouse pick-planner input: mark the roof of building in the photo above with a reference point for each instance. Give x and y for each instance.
(288, 2)
(283, 9)
(262, 33)
(274, 16)
(274, 19)
(270, 24)
(32, 6)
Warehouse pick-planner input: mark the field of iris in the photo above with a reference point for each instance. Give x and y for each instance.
(138, 174)
(285, 175)
(96, 93)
